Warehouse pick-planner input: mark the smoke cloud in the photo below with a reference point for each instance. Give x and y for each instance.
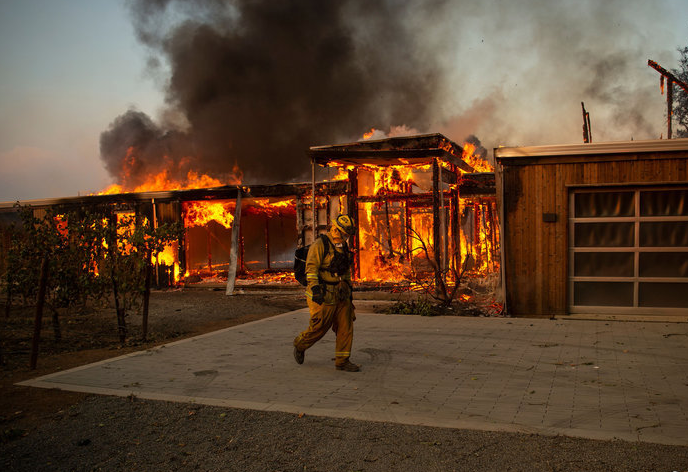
(254, 83)
(260, 81)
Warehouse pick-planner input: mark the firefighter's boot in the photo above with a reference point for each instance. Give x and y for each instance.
(348, 366)
(299, 355)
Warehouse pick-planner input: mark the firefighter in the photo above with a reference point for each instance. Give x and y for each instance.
(329, 295)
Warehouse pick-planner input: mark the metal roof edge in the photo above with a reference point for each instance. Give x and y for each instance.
(612, 147)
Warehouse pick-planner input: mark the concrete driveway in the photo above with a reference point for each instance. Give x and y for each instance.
(593, 379)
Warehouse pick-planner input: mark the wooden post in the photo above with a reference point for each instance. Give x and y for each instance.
(388, 226)
(501, 193)
(155, 226)
(146, 296)
(209, 241)
(443, 219)
(587, 135)
(299, 222)
(670, 105)
(267, 240)
(408, 234)
(314, 210)
(352, 209)
(455, 228)
(236, 227)
(436, 221)
(181, 246)
(38, 320)
(476, 235)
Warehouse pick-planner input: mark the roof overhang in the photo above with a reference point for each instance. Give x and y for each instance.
(591, 149)
(228, 192)
(407, 150)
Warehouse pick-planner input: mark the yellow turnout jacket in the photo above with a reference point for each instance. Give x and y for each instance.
(317, 264)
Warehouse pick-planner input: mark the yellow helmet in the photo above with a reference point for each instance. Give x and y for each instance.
(344, 224)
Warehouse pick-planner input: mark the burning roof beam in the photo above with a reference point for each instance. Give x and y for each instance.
(325, 157)
(407, 150)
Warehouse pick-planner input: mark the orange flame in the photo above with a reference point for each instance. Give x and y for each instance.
(163, 180)
(202, 213)
(479, 164)
(265, 206)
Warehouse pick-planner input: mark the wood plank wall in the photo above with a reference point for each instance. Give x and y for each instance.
(536, 252)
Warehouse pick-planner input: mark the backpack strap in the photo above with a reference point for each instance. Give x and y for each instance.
(326, 242)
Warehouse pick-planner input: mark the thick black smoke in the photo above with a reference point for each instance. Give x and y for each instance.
(259, 81)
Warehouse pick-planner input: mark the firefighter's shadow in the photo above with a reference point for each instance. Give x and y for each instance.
(378, 357)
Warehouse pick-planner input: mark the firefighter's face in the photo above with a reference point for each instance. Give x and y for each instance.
(338, 235)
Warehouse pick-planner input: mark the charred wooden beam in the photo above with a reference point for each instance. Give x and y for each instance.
(671, 80)
(587, 132)
(481, 183)
(668, 75)
(670, 106)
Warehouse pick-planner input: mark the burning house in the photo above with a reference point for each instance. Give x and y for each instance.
(414, 199)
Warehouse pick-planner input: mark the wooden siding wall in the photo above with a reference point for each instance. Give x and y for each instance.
(536, 252)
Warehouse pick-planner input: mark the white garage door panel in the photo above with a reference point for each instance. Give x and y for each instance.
(628, 250)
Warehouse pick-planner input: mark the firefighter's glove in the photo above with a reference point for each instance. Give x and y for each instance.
(318, 292)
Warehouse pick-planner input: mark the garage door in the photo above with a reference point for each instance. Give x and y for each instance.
(628, 250)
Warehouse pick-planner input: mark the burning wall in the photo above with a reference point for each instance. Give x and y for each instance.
(415, 199)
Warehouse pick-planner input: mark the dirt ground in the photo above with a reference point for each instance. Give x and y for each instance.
(55, 430)
(90, 337)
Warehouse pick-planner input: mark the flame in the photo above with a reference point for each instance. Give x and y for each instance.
(202, 213)
(478, 163)
(169, 258)
(164, 180)
(395, 230)
(342, 173)
(265, 206)
(396, 236)
(392, 179)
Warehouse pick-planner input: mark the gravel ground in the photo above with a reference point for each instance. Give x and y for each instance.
(117, 434)
(47, 430)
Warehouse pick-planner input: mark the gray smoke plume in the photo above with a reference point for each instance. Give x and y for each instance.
(259, 81)
(256, 82)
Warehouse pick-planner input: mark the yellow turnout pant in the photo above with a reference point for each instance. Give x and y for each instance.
(323, 317)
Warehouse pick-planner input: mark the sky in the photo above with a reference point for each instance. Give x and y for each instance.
(512, 73)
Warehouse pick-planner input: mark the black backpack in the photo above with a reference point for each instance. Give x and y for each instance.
(300, 260)
(301, 254)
